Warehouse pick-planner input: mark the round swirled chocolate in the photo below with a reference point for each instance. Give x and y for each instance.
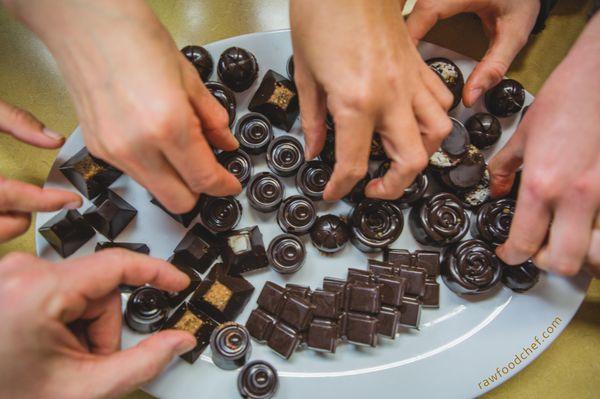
(484, 129)
(230, 346)
(200, 59)
(451, 75)
(312, 177)
(439, 220)
(470, 267)
(357, 193)
(254, 133)
(506, 98)
(492, 221)
(258, 380)
(238, 163)
(327, 154)
(329, 234)
(520, 278)
(290, 68)
(412, 193)
(265, 192)
(225, 97)
(220, 214)
(146, 309)
(285, 155)
(286, 253)
(375, 224)
(237, 68)
(377, 152)
(296, 215)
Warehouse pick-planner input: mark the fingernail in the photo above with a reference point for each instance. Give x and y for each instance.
(73, 205)
(185, 346)
(52, 134)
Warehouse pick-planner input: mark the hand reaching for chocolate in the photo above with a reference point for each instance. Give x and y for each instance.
(17, 199)
(142, 106)
(63, 340)
(508, 24)
(355, 59)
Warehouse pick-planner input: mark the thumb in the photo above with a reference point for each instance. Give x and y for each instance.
(506, 42)
(505, 164)
(23, 126)
(124, 371)
(420, 21)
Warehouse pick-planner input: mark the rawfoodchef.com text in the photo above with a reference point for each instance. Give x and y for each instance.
(518, 358)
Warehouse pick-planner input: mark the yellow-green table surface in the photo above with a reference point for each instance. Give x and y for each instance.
(29, 78)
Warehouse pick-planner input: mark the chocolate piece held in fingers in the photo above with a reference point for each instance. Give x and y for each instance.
(312, 177)
(520, 278)
(131, 246)
(184, 218)
(220, 214)
(467, 173)
(453, 148)
(451, 75)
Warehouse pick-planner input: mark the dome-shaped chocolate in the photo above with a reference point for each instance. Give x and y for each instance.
(439, 220)
(201, 59)
(225, 97)
(296, 215)
(312, 177)
(520, 278)
(285, 155)
(146, 310)
(237, 68)
(286, 253)
(493, 220)
(220, 214)
(254, 133)
(265, 192)
(329, 234)
(375, 224)
(230, 346)
(238, 163)
(258, 380)
(451, 75)
(470, 267)
(412, 193)
(484, 129)
(506, 98)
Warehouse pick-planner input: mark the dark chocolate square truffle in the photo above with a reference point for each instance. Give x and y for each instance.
(277, 99)
(89, 174)
(284, 340)
(323, 335)
(131, 246)
(198, 249)
(110, 214)
(244, 251)
(66, 232)
(184, 218)
(361, 329)
(260, 325)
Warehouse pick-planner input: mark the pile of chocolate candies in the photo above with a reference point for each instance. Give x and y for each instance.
(369, 303)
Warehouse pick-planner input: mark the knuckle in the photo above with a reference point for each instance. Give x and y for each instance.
(522, 247)
(565, 267)
(355, 172)
(204, 182)
(542, 186)
(360, 101)
(417, 161)
(443, 128)
(20, 116)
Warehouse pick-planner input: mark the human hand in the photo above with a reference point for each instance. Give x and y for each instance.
(62, 326)
(141, 104)
(17, 199)
(355, 59)
(558, 142)
(508, 24)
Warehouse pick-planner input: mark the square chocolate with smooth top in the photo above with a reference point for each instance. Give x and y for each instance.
(361, 329)
(110, 214)
(66, 232)
(323, 335)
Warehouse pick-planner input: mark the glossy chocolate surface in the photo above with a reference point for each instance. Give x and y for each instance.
(492, 221)
(431, 297)
(357, 194)
(66, 232)
(439, 220)
(184, 218)
(388, 319)
(198, 249)
(327, 304)
(322, 335)
(146, 310)
(230, 346)
(484, 129)
(361, 329)
(520, 278)
(329, 233)
(131, 246)
(260, 325)
(470, 267)
(286, 253)
(363, 297)
(254, 133)
(194, 321)
(469, 171)
(377, 152)
(220, 214)
(312, 177)
(200, 59)
(277, 99)
(451, 75)
(414, 192)
(375, 225)
(265, 192)
(176, 298)
(296, 215)
(285, 155)
(258, 380)
(506, 98)
(410, 312)
(453, 148)
(327, 154)
(110, 214)
(237, 68)
(226, 98)
(290, 68)
(428, 260)
(238, 163)
(88, 174)
(245, 251)
(221, 296)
